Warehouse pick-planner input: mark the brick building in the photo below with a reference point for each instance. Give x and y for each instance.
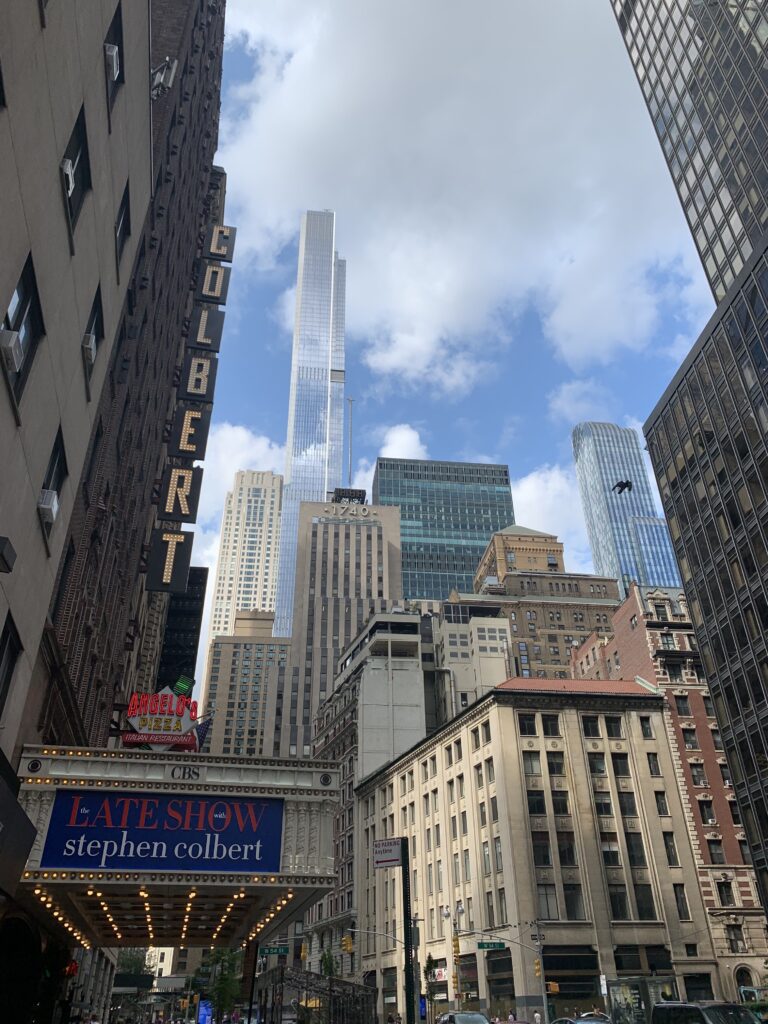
(651, 637)
(522, 578)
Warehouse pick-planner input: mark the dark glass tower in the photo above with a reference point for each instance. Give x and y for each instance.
(703, 68)
(448, 513)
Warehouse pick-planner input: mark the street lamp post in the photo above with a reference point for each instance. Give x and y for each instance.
(454, 918)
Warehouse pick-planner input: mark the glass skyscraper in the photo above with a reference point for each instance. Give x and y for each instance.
(629, 541)
(702, 67)
(315, 444)
(703, 64)
(448, 513)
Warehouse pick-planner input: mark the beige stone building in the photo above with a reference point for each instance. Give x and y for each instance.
(522, 578)
(651, 635)
(246, 569)
(241, 667)
(548, 808)
(347, 568)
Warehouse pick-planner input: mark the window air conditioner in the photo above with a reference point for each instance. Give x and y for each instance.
(711, 821)
(12, 349)
(112, 61)
(68, 170)
(48, 506)
(89, 348)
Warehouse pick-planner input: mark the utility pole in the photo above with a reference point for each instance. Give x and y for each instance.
(405, 872)
(538, 938)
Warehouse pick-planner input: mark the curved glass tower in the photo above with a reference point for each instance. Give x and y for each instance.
(315, 444)
(629, 540)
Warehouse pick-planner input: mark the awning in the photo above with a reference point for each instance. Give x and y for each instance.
(172, 849)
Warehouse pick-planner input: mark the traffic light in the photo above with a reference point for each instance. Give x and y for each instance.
(183, 1004)
(455, 982)
(303, 951)
(456, 945)
(346, 944)
(537, 967)
(553, 988)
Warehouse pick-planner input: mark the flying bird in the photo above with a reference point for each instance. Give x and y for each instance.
(622, 485)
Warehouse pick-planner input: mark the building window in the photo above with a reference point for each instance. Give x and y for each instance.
(653, 765)
(497, 853)
(698, 775)
(10, 649)
(619, 902)
(114, 65)
(596, 764)
(671, 850)
(620, 765)
(645, 727)
(725, 894)
(542, 855)
(54, 478)
(609, 846)
(24, 317)
(646, 911)
(735, 936)
(590, 725)
(547, 902)
(76, 170)
(603, 805)
(627, 804)
(531, 762)
(716, 851)
(123, 222)
(635, 849)
(566, 848)
(527, 725)
(681, 902)
(486, 859)
(560, 801)
(536, 804)
(574, 902)
(550, 725)
(613, 727)
(555, 762)
(502, 896)
(691, 949)
(683, 705)
(690, 739)
(94, 333)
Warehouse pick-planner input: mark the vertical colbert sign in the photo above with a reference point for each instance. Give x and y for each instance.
(170, 550)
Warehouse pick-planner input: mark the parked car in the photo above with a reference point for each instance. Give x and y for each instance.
(710, 1012)
(463, 1017)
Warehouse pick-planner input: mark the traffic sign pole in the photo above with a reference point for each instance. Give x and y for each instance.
(405, 869)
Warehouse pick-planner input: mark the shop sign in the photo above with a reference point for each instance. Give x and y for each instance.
(129, 831)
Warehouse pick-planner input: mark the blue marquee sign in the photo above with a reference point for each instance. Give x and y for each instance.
(93, 830)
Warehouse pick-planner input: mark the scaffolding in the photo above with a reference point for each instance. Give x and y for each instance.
(287, 995)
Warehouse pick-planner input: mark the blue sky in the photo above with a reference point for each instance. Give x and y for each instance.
(516, 256)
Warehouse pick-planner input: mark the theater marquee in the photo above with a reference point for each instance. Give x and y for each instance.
(92, 830)
(170, 550)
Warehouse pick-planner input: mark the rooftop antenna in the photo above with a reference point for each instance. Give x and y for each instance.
(350, 402)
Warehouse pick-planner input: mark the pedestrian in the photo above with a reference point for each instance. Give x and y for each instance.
(511, 1018)
(536, 1017)
(390, 1019)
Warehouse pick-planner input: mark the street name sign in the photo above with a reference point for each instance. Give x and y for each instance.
(274, 950)
(491, 945)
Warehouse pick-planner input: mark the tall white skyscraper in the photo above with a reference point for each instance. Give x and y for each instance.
(315, 443)
(246, 572)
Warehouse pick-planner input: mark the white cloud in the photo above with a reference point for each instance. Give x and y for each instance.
(400, 441)
(578, 400)
(476, 164)
(230, 448)
(547, 499)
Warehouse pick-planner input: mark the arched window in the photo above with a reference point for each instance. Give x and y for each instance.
(744, 977)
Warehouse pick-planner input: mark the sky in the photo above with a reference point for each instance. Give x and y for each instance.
(517, 259)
